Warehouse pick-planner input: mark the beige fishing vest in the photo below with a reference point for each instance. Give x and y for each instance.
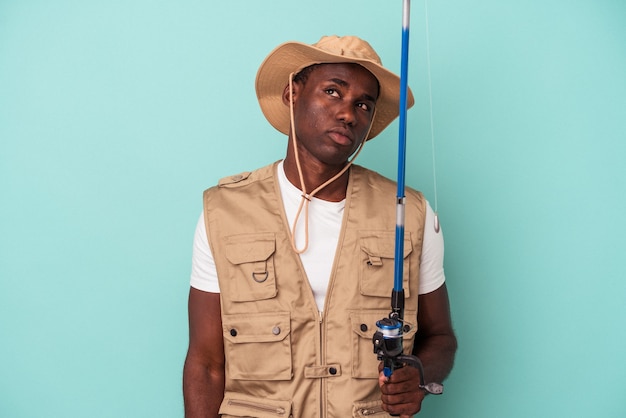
(284, 358)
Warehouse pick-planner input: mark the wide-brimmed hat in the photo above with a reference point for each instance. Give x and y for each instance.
(292, 57)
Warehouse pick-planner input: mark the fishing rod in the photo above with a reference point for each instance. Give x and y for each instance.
(388, 337)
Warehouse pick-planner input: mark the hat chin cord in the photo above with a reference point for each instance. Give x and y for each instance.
(306, 197)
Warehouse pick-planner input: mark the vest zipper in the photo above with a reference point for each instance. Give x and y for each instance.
(259, 407)
(366, 412)
(322, 360)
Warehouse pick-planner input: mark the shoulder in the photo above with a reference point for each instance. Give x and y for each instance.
(247, 177)
(372, 178)
(378, 181)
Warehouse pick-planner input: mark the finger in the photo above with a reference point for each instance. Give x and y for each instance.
(382, 379)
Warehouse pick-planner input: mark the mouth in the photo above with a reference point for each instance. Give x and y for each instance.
(341, 136)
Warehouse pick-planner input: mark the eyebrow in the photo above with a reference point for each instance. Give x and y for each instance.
(344, 83)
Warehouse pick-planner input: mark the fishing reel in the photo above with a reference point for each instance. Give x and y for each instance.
(388, 347)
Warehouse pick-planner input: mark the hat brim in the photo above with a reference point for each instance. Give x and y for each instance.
(273, 76)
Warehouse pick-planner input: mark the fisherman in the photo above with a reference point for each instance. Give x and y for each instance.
(293, 263)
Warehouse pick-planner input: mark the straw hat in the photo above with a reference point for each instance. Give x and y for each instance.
(273, 76)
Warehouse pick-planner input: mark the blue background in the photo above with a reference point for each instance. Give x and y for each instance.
(116, 115)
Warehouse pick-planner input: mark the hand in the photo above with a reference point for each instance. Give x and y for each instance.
(401, 393)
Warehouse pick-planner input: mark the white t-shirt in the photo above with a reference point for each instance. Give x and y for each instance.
(324, 227)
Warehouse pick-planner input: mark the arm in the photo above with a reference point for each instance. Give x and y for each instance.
(435, 342)
(435, 345)
(203, 374)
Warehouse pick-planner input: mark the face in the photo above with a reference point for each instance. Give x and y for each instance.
(333, 111)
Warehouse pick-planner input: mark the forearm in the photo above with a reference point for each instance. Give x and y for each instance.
(203, 390)
(436, 353)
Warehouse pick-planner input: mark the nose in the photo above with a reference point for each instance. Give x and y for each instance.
(346, 114)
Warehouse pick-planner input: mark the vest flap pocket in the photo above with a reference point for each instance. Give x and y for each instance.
(363, 326)
(258, 345)
(250, 248)
(383, 244)
(250, 268)
(258, 327)
(376, 259)
(239, 405)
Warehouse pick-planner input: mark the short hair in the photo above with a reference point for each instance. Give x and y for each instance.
(303, 75)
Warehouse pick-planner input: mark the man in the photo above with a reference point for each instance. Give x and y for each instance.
(293, 263)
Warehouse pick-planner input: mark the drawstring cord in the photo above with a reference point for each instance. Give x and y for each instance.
(306, 197)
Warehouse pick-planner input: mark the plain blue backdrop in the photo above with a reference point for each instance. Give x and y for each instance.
(116, 115)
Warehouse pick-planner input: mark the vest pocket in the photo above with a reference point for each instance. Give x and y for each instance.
(251, 274)
(377, 263)
(258, 346)
(238, 405)
(367, 409)
(363, 326)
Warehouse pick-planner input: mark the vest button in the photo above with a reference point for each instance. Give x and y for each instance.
(233, 332)
(363, 327)
(276, 330)
(332, 371)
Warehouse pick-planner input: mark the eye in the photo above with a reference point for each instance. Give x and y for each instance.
(332, 92)
(365, 106)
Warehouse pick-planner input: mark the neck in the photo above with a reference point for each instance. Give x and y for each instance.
(314, 175)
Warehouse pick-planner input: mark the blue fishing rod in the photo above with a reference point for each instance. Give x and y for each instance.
(388, 337)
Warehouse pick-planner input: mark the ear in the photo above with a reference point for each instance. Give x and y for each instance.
(287, 96)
